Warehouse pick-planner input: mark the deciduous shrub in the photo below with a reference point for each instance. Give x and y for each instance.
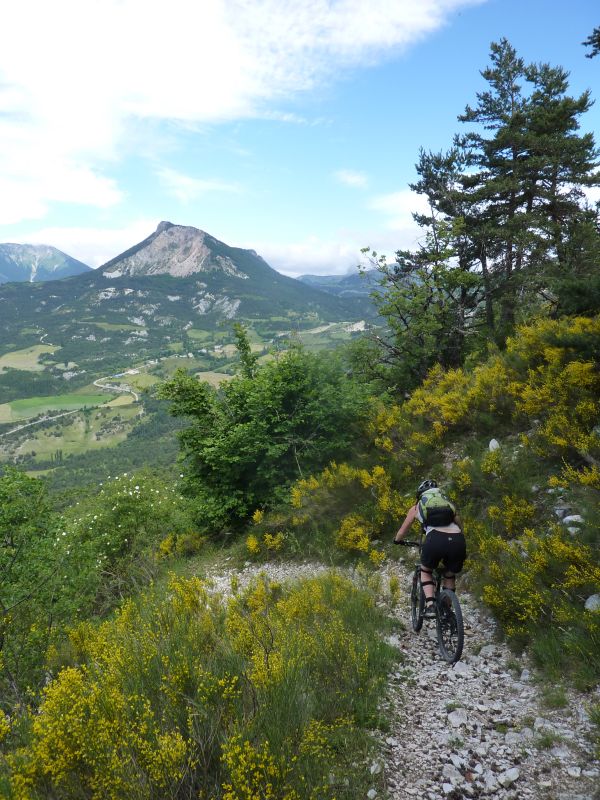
(186, 695)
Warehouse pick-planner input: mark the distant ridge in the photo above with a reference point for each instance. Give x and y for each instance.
(36, 262)
(177, 288)
(355, 284)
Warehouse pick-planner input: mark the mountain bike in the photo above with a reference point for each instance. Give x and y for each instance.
(446, 612)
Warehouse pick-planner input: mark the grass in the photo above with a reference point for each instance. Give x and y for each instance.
(31, 406)
(77, 435)
(115, 326)
(28, 358)
(199, 335)
(546, 740)
(121, 400)
(594, 712)
(554, 697)
(214, 378)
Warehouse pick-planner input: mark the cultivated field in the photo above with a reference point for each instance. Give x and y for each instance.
(28, 358)
(32, 406)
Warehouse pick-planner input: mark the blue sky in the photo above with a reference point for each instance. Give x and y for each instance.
(288, 127)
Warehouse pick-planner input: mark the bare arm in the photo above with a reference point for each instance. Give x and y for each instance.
(403, 529)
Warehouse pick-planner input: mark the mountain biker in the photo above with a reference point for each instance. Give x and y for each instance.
(445, 543)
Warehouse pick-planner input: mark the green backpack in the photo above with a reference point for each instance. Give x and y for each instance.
(435, 509)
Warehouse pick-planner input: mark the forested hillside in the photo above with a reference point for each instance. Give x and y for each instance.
(128, 670)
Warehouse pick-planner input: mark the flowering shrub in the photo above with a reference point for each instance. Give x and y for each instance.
(514, 514)
(355, 505)
(253, 545)
(274, 541)
(186, 697)
(532, 581)
(116, 536)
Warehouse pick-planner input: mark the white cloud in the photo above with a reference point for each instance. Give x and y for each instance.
(592, 193)
(398, 208)
(351, 178)
(337, 254)
(75, 76)
(340, 253)
(93, 246)
(185, 188)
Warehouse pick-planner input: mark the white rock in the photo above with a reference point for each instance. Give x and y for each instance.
(525, 675)
(376, 767)
(573, 519)
(574, 772)
(493, 445)
(487, 651)
(512, 738)
(509, 777)
(490, 782)
(562, 511)
(450, 772)
(447, 787)
(457, 718)
(457, 761)
(460, 668)
(372, 794)
(593, 603)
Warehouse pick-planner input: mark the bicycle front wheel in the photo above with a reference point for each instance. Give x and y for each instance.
(449, 622)
(417, 602)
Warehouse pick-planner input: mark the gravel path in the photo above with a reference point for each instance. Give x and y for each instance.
(479, 728)
(475, 729)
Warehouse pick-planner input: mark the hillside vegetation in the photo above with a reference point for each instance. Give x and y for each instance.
(125, 672)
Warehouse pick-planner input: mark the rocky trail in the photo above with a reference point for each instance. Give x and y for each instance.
(480, 728)
(477, 729)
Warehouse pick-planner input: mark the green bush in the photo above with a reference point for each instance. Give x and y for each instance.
(269, 695)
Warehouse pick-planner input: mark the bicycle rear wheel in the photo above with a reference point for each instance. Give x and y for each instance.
(449, 623)
(417, 602)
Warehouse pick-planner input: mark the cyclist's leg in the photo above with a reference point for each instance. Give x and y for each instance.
(449, 580)
(427, 583)
(453, 560)
(430, 558)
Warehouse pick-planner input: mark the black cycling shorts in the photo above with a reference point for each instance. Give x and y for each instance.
(449, 548)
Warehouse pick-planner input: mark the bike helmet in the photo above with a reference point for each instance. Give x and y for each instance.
(428, 484)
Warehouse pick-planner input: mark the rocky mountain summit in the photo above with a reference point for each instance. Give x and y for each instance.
(176, 250)
(36, 262)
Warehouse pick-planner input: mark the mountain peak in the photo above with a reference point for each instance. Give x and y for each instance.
(176, 250)
(36, 262)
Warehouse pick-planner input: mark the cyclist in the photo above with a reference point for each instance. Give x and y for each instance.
(445, 543)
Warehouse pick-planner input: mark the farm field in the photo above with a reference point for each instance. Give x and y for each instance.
(115, 326)
(18, 410)
(94, 429)
(27, 358)
(214, 378)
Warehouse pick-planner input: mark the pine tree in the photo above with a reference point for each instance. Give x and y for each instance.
(593, 41)
(524, 180)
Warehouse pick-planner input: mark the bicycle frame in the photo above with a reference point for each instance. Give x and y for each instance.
(448, 613)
